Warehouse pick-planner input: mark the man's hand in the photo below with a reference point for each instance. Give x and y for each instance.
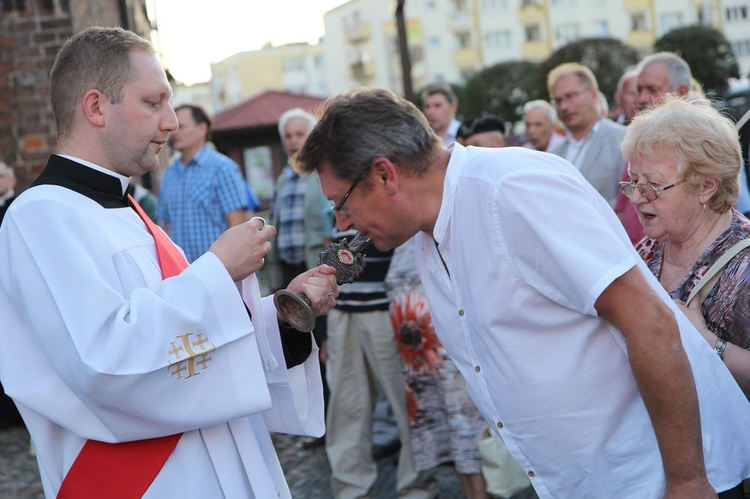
(694, 489)
(319, 285)
(242, 248)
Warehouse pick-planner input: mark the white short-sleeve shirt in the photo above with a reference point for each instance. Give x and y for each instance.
(530, 246)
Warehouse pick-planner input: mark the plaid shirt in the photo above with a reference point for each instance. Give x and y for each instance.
(195, 198)
(290, 203)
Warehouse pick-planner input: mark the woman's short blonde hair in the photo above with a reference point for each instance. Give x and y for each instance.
(703, 140)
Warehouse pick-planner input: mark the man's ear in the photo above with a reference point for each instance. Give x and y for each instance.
(386, 174)
(94, 105)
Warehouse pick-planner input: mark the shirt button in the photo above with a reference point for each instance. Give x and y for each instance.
(531, 474)
(500, 425)
(477, 368)
(461, 312)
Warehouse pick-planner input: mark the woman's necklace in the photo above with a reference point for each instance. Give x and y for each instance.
(677, 276)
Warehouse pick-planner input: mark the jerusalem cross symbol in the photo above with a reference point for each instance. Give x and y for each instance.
(190, 355)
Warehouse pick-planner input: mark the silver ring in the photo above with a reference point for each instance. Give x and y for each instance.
(262, 220)
(330, 293)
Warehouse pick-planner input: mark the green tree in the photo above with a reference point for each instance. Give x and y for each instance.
(707, 52)
(607, 58)
(502, 90)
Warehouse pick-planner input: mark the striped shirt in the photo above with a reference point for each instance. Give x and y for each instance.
(194, 200)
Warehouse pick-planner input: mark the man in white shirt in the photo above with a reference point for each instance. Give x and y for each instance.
(107, 357)
(571, 350)
(539, 117)
(440, 104)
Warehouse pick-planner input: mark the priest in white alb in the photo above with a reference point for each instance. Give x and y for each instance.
(136, 374)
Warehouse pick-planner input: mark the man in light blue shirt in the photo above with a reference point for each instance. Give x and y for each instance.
(202, 193)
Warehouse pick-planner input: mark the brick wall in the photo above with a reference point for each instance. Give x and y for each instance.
(31, 33)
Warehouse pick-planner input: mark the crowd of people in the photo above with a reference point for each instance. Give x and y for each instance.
(577, 307)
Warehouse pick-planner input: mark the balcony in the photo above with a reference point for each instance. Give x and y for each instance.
(466, 58)
(536, 50)
(460, 21)
(637, 5)
(362, 71)
(358, 34)
(531, 12)
(639, 39)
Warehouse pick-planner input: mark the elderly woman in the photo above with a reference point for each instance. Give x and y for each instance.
(684, 160)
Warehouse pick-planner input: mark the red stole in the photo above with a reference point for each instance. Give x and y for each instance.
(125, 470)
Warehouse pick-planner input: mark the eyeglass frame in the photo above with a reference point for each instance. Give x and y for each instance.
(339, 208)
(640, 186)
(569, 96)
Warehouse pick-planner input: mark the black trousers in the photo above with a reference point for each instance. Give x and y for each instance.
(737, 492)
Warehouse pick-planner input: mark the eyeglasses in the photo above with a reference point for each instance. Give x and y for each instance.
(648, 191)
(339, 208)
(569, 96)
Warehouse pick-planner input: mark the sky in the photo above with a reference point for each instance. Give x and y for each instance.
(195, 33)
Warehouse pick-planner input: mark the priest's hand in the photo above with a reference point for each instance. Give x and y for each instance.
(242, 248)
(319, 285)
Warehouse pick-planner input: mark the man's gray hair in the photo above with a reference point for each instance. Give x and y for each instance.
(678, 70)
(631, 72)
(541, 104)
(295, 114)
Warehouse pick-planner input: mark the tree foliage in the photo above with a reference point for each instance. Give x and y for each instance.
(606, 57)
(502, 90)
(707, 52)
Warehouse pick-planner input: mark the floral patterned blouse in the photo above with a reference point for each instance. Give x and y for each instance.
(727, 307)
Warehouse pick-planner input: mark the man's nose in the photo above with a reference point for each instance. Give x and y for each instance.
(342, 221)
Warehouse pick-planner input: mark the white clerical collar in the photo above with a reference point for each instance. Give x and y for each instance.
(124, 181)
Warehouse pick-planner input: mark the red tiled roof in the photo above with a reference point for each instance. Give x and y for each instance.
(263, 110)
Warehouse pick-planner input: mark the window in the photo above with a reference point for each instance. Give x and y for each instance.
(602, 28)
(533, 33)
(497, 40)
(638, 21)
(293, 64)
(669, 21)
(741, 48)
(463, 40)
(494, 5)
(565, 33)
(460, 6)
(736, 13)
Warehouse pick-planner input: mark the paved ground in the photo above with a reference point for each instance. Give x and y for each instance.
(307, 471)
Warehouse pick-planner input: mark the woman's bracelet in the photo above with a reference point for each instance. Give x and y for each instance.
(719, 348)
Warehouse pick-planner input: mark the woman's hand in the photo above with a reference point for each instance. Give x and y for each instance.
(693, 312)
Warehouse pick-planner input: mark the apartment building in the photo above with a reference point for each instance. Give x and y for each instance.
(31, 33)
(450, 40)
(296, 68)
